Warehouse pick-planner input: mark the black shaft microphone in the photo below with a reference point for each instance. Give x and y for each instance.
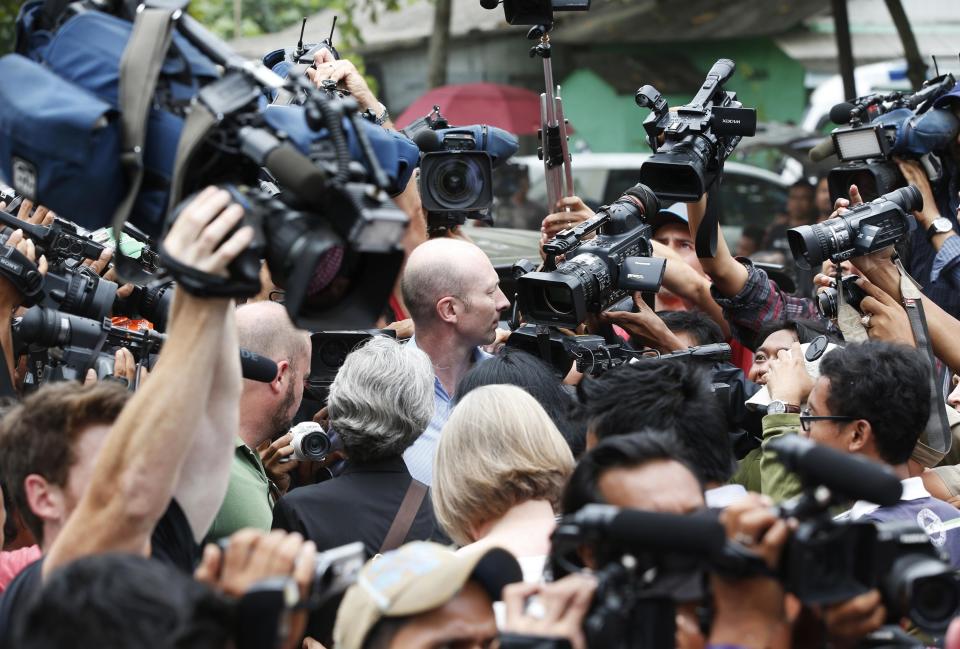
(841, 113)
(489, 4)
(700, 534)
(852, 476)
(822, 150)
(427, 141)
(256, 367)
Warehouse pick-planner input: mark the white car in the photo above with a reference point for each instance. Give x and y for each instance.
(750, 195)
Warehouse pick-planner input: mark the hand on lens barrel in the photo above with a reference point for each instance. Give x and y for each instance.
(198, 238)
(846, 623)
(277, 460)
(564, 604)
(914, 174)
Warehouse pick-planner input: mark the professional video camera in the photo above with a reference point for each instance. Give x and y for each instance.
(74, 288)
(593, 355)
(883, 125)
(691, 144)
(861, 230)
(827, 560)
(534, 12)
(206, 124)
(456, 171)
(597, 273)
(62, 346)
(645, 563)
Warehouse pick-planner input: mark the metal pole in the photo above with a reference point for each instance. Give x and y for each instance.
(841, 24)
(237, 18)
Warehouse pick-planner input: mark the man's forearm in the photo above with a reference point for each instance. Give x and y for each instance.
(141, 459)
(205, 473)
(728, 275)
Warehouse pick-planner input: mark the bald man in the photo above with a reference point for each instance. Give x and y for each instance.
(266, 413)
(453, 295)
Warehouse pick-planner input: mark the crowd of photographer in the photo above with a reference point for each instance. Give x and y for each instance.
(645, 441)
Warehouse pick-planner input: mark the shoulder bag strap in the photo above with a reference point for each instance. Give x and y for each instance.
(403, 521)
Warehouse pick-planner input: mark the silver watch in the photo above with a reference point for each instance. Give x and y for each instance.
(940, 225)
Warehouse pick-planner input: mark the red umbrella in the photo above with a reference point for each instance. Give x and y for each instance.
(513, 109)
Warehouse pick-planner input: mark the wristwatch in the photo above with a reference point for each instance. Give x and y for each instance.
(782, 407)
(940, 225)
(371, 116)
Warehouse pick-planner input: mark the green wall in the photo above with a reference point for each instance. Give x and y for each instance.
(765, 79)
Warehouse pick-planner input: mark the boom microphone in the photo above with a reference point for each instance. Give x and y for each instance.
(823, 150)
(256, 367)
(842, 112)
(699, 534)
(850, 475)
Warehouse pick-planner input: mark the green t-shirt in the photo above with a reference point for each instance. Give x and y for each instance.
(248, 502)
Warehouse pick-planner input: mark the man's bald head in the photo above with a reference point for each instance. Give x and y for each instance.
(265, 328)
(437, 269)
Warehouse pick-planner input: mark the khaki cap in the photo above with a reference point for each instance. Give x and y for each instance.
(416, 578)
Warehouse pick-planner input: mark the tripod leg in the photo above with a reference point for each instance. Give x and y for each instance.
(567, 190)
(551, 173)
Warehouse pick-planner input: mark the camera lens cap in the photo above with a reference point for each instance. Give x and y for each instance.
(816, 348)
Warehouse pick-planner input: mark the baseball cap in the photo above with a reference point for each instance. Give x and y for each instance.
(811, 361)
(676, 213)
(416, 578)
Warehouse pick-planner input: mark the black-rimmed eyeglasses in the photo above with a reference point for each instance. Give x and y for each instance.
(806, 419)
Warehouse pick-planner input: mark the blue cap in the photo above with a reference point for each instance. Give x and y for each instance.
(920, 134)
(676, 213)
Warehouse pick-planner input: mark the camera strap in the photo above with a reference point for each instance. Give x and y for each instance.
(143, 57)
(937, 438)
(706, 237)
(201, 284)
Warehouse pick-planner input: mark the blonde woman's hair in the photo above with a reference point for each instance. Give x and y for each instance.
(498, 449)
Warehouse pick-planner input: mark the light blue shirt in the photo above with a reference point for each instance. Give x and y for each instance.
(419, 456)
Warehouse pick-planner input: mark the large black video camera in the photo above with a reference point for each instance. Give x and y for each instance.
(691, 143)
(861, 230)
(828, 560)
(882, 125)
(599, 272)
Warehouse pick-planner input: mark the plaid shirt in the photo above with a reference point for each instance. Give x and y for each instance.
(761, 301)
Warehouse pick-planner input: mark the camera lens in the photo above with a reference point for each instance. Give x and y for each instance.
(924, 589)
(558, 299)
(827, 303)
(334, 353)
(457, 183)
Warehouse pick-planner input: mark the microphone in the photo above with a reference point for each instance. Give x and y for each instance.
(841, 113)
(428, 141)
(822, 150)
(698, 534)
(256, 367)
(850, 475)
(489, 4)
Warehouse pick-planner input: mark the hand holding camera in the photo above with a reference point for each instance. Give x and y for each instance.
(345, 75)
(277, 462)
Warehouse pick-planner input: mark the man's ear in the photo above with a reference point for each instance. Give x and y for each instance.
(860, 436)
(279, 382)
(45, 500)
(448, 309)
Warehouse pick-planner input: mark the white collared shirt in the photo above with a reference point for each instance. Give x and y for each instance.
(913, 489)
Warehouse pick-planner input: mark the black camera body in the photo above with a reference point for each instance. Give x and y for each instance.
(691, 144)
(535, 12)
(861, 230)
(599, 272)
(456, 183)
(828, 299)
(329, 350)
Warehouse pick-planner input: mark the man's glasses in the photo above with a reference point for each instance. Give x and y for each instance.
(806, 419)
